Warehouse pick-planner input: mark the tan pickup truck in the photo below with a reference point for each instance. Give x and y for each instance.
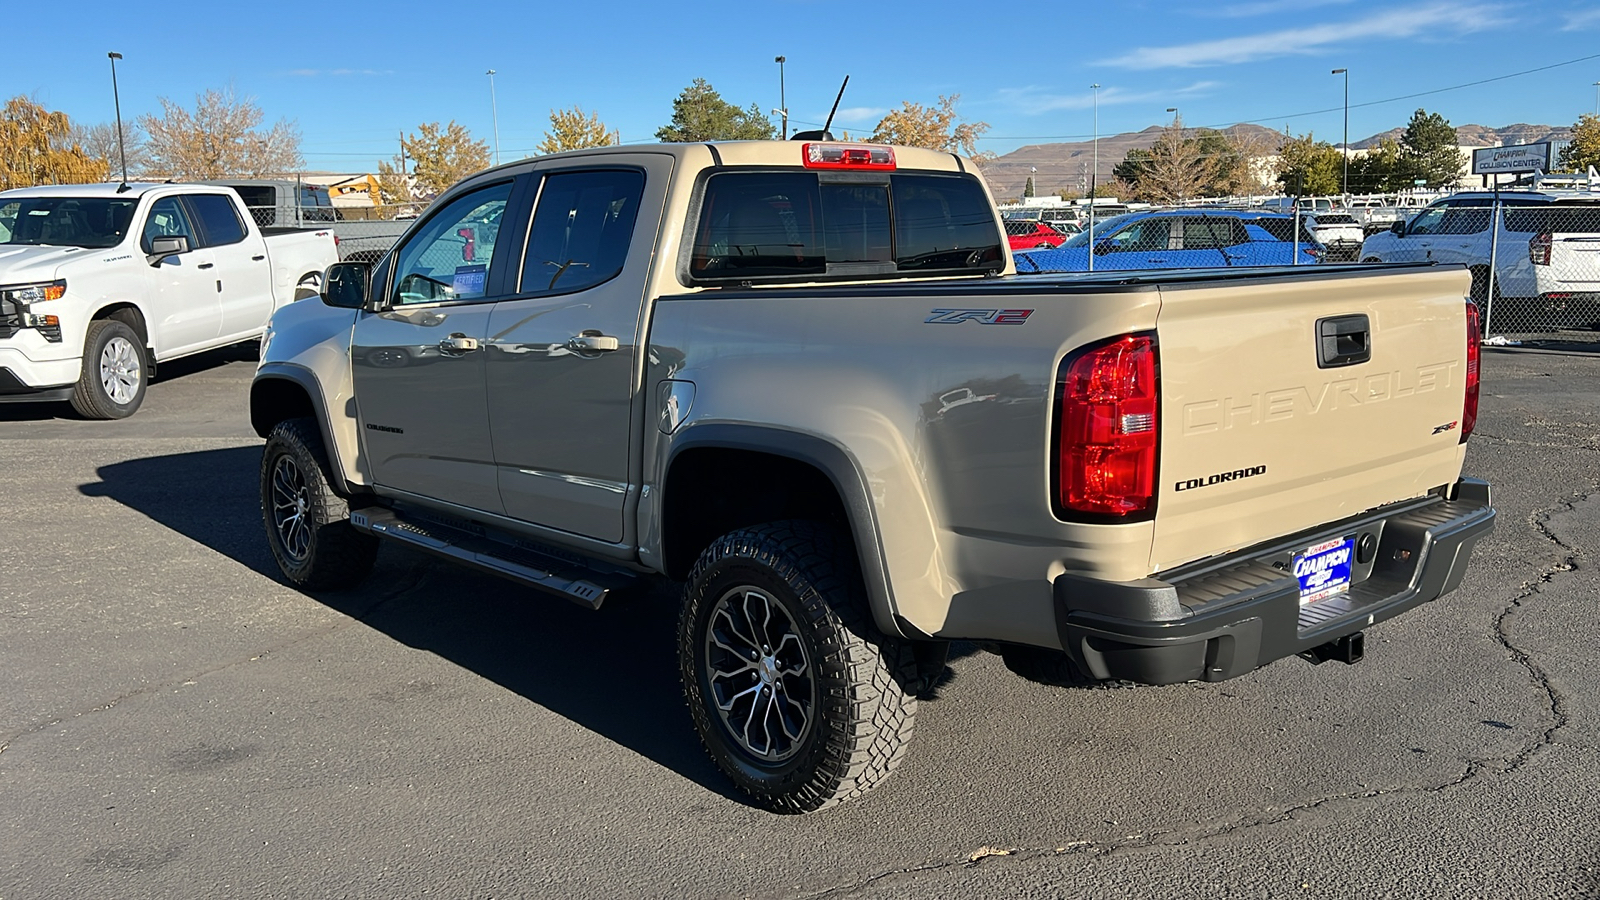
(800, 378)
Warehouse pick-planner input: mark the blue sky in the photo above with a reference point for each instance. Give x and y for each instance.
(352, 75)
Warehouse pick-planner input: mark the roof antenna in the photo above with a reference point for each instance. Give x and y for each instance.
(824, 134)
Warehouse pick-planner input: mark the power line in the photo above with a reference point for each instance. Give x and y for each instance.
(1318, 112)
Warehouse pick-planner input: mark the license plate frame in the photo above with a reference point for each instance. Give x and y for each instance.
(1324, 570)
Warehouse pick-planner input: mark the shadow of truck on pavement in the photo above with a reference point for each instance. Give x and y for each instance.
(554, 653)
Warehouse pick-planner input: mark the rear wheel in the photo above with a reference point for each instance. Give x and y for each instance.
(308, 524)
(309, 285)
(796, 696)
(111, 384)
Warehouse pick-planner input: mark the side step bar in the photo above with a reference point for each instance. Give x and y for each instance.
(520, 563)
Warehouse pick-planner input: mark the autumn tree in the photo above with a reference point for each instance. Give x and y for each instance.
(1584, 151)
(570, 129)
(36, 147)
(933, 127)
(1428, 149)
(440, 155)
(700, 114)
(1307, 166)
(220, 138)
(100, 142)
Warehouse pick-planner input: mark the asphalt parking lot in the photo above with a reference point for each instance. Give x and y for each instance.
(177, 723)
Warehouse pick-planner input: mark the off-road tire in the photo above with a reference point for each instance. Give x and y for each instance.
(862, 714)
(90, 396)
(323, 552)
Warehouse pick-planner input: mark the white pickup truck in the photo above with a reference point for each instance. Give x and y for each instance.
(100, 282)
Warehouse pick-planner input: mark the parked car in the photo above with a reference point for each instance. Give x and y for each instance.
(1339, 234)
(170, 270)
(1375, 214)
(1024, 234)
(1546, 247)
(292, 204)
(1178, 239)
(1170, 482)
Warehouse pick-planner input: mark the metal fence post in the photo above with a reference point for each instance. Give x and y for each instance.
(1495, 214)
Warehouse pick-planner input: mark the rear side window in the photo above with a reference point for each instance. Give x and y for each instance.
(1554, 219)
(582, 228)
(765, 225)
(218, 219)
(1282, 229)
(1212, 232)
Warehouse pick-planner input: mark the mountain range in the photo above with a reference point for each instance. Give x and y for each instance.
(1067, 165)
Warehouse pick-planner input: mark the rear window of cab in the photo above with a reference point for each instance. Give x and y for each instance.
(802, 226)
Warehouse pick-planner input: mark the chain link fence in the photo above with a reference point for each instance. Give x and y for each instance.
(1535, 265)
(365, 232)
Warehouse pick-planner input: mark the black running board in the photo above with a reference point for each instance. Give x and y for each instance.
(517, 562)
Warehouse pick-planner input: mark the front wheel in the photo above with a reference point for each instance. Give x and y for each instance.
(115, 371)
(796, 696)
(308, 524)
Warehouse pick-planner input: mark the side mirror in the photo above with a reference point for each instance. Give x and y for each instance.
(163, 247)
(347, 285)
(1399, 227)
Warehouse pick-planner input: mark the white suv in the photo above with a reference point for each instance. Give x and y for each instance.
(1546, 247)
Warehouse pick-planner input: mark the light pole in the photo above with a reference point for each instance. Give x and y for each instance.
(122, 151)
(1597, 98)
(783, 104)
(494, 109)
(1094, 173)
(1346, 180)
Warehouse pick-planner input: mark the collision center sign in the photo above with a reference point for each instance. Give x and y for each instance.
(1512, 160)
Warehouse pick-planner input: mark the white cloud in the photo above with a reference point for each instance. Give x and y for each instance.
(1417, 23)
(1270, 7)
(1034, 99)
(865, 116)
(1581, 20)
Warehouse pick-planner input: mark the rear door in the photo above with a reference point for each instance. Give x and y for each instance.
(563, 348)
(242, 268)
(1263, 434)
(1200, 241)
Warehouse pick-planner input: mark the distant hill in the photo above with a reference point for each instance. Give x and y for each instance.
(1066, 165)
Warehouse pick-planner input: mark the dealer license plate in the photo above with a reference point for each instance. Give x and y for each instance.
(1324, 570)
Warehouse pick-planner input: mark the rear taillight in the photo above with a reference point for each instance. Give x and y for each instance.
(1539, 249)
(1469, 410)
(1108, 424)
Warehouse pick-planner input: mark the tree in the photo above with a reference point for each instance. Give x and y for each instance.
(700, 114)
(1174, 169)
(36, 147)
(1027, 189)
(1428, 149)
(440, 155)
(1584, 151)
(933, 127)
(1379, 170)
(570, 129)
(220, 138)
(100, 142)
(1307, 167)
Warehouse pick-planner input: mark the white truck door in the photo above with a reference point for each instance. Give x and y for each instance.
(186, 305)
(242, 267)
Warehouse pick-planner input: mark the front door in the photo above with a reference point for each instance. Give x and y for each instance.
(562, 352)
(1142, 244)
(187, 307)
(419, 362)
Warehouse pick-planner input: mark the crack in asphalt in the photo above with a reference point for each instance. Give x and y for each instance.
(383, 599)
(1556, 705)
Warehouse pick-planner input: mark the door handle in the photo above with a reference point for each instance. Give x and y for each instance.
(593, 342)
(1157, 259)
(257, 258)
(457, 344)
(205, 265)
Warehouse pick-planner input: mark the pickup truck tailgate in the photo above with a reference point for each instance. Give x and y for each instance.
(1264, 433)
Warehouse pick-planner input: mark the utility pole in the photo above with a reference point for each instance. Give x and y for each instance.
(783, 103)
(1095, 172)
(494, 108)
(122, 150)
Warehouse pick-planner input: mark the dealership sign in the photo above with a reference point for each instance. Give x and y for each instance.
(1512, 160)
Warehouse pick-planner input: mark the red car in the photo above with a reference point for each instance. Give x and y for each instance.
(1032, 235)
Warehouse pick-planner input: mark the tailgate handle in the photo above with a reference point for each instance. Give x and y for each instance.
(1343, 341)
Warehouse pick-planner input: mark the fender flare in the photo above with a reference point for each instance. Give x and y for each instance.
(306, 380)
(845, 474)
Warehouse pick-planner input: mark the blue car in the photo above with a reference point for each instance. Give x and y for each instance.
(1178, 239)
